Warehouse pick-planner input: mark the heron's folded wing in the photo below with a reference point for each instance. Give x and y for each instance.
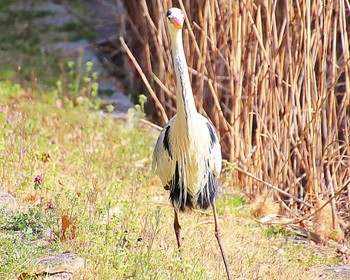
(162, 158)
(215, 157)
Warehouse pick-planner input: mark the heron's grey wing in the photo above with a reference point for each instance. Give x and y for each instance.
(162, 157)
(215, 157)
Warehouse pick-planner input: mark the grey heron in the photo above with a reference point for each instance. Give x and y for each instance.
(187, 154)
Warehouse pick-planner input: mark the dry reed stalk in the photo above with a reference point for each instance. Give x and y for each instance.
(154, 96)
(274, 78)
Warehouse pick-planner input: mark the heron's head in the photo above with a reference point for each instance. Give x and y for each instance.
(175, 18)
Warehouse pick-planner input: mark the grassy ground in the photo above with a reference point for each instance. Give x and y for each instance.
(60, 156)
(59, 159)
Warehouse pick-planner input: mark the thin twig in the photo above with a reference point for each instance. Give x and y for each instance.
(157, 127)
(273, 187)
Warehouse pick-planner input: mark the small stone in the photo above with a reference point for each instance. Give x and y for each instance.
(74, 261)
(7, 203)
(339, 271)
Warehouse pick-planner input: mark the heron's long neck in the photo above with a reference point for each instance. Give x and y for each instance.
(185, 100)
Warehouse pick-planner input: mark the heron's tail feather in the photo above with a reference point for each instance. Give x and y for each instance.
(179, 196)
(182, 200)
(207, 195)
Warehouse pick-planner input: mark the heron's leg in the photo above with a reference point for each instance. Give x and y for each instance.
(217, 235)
(177, 229)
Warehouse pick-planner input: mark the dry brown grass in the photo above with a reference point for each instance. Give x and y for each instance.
(274, 78)
(323, 223)
(263, 205)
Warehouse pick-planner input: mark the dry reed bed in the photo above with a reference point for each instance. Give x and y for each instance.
(273, 77)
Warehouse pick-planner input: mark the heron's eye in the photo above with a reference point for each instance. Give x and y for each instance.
(168, 14)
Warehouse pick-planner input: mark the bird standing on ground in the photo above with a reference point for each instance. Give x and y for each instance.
(187, 154)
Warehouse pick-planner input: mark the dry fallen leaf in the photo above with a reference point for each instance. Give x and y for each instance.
(69, 228)
(63, 268)
(275, 219)
(66, 268)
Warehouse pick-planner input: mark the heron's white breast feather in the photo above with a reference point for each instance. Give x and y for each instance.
(195, 153)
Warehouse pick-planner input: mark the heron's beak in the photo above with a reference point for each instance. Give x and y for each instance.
(175, 22)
